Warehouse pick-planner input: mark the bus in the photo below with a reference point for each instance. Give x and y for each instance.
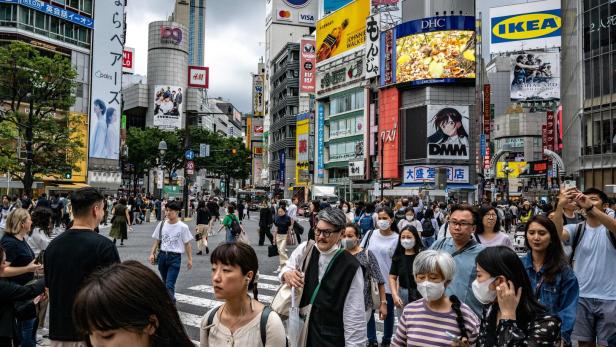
(252, 198)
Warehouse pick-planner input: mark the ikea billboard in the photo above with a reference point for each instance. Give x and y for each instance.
(535, 25)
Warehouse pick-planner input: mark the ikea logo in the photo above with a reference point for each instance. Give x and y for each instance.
(526, 26)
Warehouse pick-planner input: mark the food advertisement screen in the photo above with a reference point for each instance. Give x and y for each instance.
(435, 50)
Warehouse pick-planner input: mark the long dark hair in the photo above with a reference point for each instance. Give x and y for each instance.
(483, 211)
(443, 116)
(555, 259)
(399, 252)
(456, 306)
(503, 261)
(41, 217)
(114, 298)
(388, 211)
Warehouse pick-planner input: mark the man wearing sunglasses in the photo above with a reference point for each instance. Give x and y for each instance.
(332, 282)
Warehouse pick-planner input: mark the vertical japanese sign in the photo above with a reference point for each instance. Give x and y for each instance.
(486, 123)
(550, 127)
(302, 166)
(257, 95)
(372, 47)
(307, 62)
(320, 140)
(282, 159)
(544, 139)
(387, 55)
(107, 60)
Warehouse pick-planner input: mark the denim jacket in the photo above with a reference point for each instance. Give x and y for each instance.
(560, 297)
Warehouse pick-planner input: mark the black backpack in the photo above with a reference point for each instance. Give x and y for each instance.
(428, 228)
(236, 228)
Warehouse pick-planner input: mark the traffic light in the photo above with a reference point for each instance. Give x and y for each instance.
(68, 175)
(234, 151)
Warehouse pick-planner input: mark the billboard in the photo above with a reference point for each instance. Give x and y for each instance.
(257, 95)
(107, 56)
(198, 77)
(535, 75)
(330, 6)
(342, 30)
(79, 122)
(427, 173)
(448, 132)
(168, 107)
(302, 166)
(307, 66)
(294, 12)
(320, 140)
(525, 26)
(435, 50)
(371, 50)
(516, 167)
(60, 12)
(128, 60)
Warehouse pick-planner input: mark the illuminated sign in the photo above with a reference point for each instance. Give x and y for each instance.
(527, 26)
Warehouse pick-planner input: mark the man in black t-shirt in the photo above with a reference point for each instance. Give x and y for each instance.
(70, 258)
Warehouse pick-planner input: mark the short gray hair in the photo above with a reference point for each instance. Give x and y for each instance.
(333, 216)
(435, 261)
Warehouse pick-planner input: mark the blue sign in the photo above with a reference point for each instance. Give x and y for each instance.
(320, 141)
(435, 24)
(189, 155)
(55, 11)
(282, 158)
(526, 26)
(297, 3)
(174, 175)
(482, 144)
(333, 5)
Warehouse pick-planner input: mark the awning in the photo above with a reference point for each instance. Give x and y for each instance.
(450, 186)
(70, 186)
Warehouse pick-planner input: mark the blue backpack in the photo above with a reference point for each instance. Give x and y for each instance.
(365, 224)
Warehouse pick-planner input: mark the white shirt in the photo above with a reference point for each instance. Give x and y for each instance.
(4, 214)
(38, 241)
(175, 236)
(292, 211)
(403, 223)
(355, 331)
(383, 248)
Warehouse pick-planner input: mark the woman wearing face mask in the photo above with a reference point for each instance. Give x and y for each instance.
(383, 242)
(409, 219)
(366, 258)
(555, 284)
(512, 316)
(489, 231)
(238, 321)
(436, 320)
(345, 206)
(401, 280)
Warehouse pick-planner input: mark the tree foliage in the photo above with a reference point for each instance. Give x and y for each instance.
(36, 92)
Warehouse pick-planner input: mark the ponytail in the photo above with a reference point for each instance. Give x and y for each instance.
(455, 305)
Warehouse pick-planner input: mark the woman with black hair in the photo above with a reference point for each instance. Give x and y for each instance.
(512, 316)
(315, 207)
(449, 128)
(112, 310)
(238, 322)
(429, 226)
(203, 228)
(436, 320)
(42, 226)
(120, 222)
(488, 232)
(553, 280)
(401, 280)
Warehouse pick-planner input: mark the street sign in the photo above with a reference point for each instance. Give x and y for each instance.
(190, 167)
(174, 175)
(202, 150)
(207, 150)
(159, 179)
(189, 155)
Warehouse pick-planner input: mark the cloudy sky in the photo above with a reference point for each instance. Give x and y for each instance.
(234, 41)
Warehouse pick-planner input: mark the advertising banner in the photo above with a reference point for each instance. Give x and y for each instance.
(62, 12)
(550, 128)
(257, 164)
(387, 57)
(168, 107)
(435, 50)
(516, 167)
(282, 161)
(106, 70)
(198, 77)
(294, 12)
(342, 75)
(427, 173)
(389, 12)
(330, 6)
(356, 169)
(128, 60)
(342, 30)
(320, 141)
(257, 95)
(525, 26)
(448, 132)
(371, 51)
(302, 167)
(535, 76)
(487, 120)
(307, 66)
(79, 122)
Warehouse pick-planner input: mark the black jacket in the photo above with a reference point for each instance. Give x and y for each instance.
(11, 292)
(265, 217)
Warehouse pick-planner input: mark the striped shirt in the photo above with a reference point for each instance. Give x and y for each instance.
(420, 326)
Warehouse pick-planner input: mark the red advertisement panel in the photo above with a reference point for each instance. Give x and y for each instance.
(389, 138)
(307, 66)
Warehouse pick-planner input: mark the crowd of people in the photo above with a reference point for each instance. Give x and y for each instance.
(449, 274)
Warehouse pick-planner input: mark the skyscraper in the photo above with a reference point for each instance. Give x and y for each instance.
(191, 13)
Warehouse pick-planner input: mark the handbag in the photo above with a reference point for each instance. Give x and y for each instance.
(282, 299)
(374, 290)
(272, 251)
(157, 248)
(198, 236)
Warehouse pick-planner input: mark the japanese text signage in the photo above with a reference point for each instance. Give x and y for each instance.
(427, 173)
(302, 166)
(56, 11)
(342, 76)
(107, 60)
(307, 66)
(486, 124)
(387, 55)
(356, 168)
(551, 131)
(128, 60)
(257, 95)
(198, 77)
(371, 51)
(320, 140)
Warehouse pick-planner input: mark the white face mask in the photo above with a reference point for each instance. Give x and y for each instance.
(431, 291)
(482, 291)
(407, 243)
(410, 218)
(383, 224)
(345, 209)
(349, 243)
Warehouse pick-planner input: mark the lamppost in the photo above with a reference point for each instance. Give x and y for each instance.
(507, 170)
(162, 148)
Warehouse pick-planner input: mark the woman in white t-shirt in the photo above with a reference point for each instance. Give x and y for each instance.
(238, 321)
(489, 229)
(409, 219)
(383, 242)
(42, 225)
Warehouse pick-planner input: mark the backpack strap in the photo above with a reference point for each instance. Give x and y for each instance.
(580, 229)
(368, 239)
(263, 324)
(210, 320)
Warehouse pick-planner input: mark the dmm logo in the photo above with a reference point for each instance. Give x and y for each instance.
(526, 26)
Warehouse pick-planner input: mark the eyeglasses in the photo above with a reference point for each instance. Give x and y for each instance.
(490, 215)
(461, 224)
(326, 233)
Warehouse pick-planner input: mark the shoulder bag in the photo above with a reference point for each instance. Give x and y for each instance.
(374, 287)
(160, 238)
(282, 300)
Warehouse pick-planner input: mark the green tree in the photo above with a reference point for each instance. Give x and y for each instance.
(36, 93)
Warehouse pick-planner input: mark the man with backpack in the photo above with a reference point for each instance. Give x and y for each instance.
(366, 219)
(593, 255)
(232, 223)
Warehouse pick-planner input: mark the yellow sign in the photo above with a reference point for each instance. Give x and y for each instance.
(79, 122)
(342, 30)
(527, 26)
(516, 166)
(302, 166)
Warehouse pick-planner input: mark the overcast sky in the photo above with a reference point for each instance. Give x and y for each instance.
(234, 35)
